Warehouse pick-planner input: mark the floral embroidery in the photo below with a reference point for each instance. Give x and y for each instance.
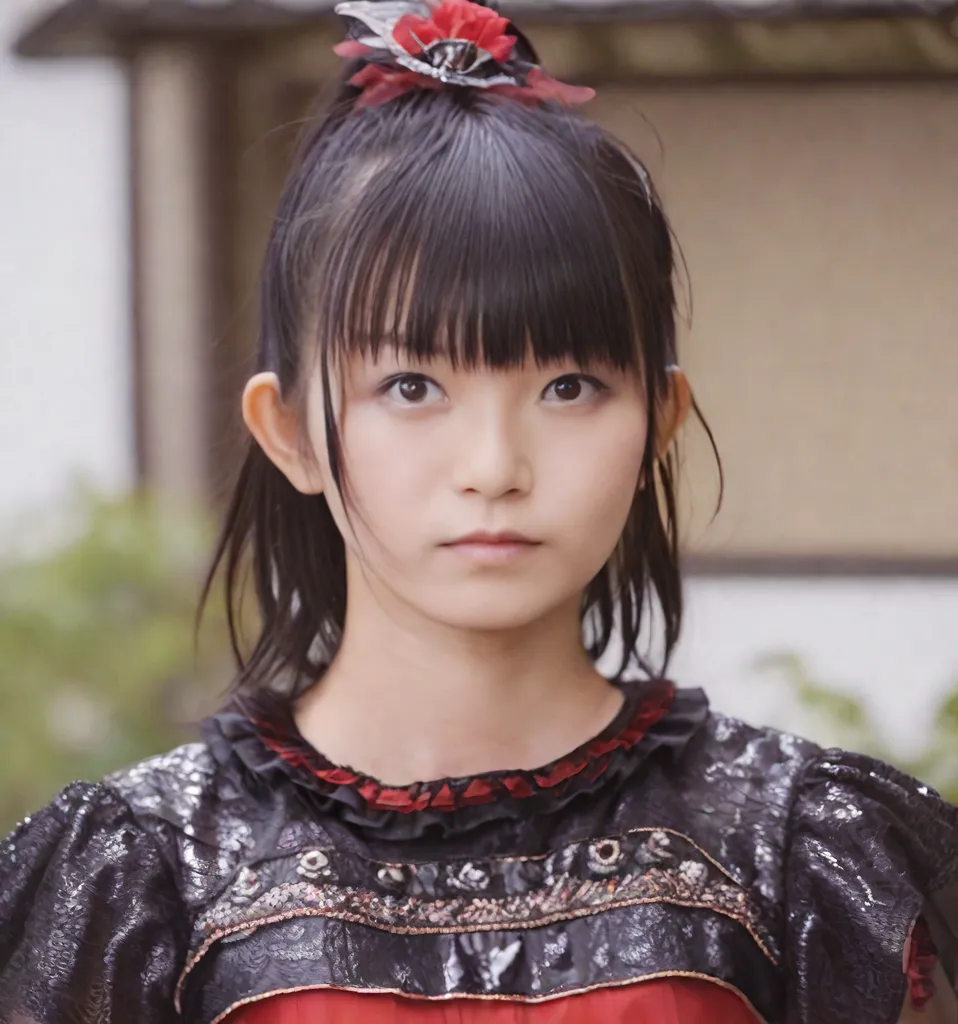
(391, 875)
(312, 864)
(468, 877)
(604, 856)
(569, 897)
(692, 872)
(578, 880)
(659, 844)
(247, 885)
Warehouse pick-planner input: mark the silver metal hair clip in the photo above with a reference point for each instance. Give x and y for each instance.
(417, 44)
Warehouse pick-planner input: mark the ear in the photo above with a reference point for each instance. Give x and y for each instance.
(278, 431)
(673, 410)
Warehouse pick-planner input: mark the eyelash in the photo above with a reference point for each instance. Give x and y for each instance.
(388, 385)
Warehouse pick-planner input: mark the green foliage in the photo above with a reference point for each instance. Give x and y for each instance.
(98, 663)
(842, 721)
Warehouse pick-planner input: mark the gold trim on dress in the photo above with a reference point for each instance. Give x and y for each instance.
(299, 912)
(551, 997)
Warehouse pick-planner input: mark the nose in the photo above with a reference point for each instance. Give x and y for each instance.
(491, 458)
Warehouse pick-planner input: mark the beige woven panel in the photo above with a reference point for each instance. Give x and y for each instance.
(820, 225)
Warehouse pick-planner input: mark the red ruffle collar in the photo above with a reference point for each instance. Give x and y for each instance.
(257, 736)
(639, 713)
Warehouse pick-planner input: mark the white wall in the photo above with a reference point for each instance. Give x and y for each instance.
(64, 264)
(893, 643)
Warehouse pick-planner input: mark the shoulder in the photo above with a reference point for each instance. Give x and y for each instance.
(727, 787)
(870, 851)
(84, 836)
(868, 814)
(86, 814)
(736, 767)
(736, 744)
(91, 916)
(152, 807)
(763, 781)
(824, 795)
(198, 810)
(171, 787)
(761, 801)
(841, 852)
(718, 778)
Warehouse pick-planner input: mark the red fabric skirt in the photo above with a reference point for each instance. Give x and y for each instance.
(661, 1001)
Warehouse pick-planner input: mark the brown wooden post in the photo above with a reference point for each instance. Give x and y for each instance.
(173, 266)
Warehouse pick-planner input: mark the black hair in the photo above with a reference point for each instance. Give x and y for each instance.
(460, 223)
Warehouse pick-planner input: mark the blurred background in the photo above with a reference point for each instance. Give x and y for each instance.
(808, 154)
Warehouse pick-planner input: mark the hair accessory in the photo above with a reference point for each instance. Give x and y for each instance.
(419, 44)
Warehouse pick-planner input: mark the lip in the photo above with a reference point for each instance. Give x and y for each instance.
(483, 538)
(485, 548)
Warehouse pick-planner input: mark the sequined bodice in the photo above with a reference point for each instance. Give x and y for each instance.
(678, 844)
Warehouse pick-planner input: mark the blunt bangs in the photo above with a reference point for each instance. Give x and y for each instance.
(486, 233)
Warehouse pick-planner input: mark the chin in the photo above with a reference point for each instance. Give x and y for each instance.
(493, 613)
(492, 622)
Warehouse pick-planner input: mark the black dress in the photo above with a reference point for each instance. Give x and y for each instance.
(677, 844)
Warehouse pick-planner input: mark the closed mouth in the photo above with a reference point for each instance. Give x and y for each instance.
(482, 538)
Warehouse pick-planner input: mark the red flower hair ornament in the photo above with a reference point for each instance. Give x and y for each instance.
(418, 44)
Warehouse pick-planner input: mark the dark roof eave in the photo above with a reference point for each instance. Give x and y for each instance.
(99, 28)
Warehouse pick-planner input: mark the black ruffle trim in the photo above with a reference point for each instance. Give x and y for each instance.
(273, 751)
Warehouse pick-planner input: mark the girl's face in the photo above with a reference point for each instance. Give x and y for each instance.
(480, 499)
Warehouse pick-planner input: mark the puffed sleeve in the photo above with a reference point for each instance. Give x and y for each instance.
(92, 929)
(872, 853)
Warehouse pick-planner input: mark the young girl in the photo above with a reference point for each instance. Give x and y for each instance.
(459, 496)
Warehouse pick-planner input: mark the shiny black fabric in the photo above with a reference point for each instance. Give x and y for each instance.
(869, 851)
(92, 925)
(214, 874)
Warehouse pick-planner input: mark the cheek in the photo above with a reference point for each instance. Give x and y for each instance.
(611, 491)
(601, 472)
(389, 481)
(387, 478)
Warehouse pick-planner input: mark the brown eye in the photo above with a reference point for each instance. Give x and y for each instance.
(413, 389)
(573, 388)
(567, 389)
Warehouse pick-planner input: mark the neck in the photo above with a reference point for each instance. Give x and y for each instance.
(424, 701)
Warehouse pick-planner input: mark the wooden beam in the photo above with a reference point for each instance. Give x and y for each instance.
(810, 566)
(174, 285)
(765, 34)
(838, 48)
